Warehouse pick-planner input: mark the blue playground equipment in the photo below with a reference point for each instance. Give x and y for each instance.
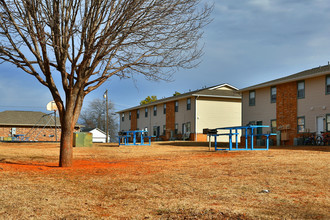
(233, 132)
(124, 136)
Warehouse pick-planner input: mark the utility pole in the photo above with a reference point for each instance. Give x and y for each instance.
(55, 125)
(105, 95)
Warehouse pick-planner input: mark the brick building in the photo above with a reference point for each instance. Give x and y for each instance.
(185, 115)
(296, 105)
(34, 126)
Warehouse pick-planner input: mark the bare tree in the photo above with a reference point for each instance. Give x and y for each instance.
(95, 116)
(87, 41)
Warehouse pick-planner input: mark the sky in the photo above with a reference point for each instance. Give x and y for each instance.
(248, 42)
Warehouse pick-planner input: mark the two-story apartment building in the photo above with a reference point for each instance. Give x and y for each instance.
(185, 115)
(295, 105)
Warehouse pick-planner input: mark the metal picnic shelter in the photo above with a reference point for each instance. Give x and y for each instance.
(233, 133)
(124, 137)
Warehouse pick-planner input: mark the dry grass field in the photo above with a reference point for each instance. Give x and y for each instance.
(164, 181)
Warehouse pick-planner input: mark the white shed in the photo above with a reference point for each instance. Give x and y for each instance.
(99, 136)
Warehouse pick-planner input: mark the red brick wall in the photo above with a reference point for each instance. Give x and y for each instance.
(242, 144)
(170, 118)
(133, 120)
(38, 134)
(200, 137)
(286, 109)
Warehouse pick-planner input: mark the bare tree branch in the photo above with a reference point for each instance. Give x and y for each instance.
(94, 116)
(87, 41)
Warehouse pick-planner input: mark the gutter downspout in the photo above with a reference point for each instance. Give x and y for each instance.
(196, 117)
(149, 116)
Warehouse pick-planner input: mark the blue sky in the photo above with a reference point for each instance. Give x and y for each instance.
(248, 42)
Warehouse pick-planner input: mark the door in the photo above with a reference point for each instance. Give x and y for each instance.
(259, 130)
(158, 131)
(319, 125)
(183, 129)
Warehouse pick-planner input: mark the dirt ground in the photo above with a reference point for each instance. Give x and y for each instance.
(164, 181)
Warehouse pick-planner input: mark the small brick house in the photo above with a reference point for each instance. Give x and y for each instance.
(296, 105)
(33, 126)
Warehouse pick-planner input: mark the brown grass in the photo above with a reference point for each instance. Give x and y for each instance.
(163, 181)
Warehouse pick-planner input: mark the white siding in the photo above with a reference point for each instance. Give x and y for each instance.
(217, 113)
(144, 122)
(98, 136)
(150, 121)
(184, 115)
(316, 103)
(263, 110)
(160, 118)
(126, 124)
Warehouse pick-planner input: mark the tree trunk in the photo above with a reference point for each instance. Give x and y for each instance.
(69, 117)
(66, 144)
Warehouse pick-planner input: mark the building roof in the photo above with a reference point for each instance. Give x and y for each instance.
(213, 91)
(91, 129)
(28, 118)
(318, 71)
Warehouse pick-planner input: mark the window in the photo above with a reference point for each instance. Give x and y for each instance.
(176, 106)
(301, 90)
(164, 129)
(164, 108)
(252, 98)
(249, 130)
(327, 86)
(188, 103)
(273, 94)
(146, 112)
(301, 124)
(156, 131)
(122, 117)
(259, 130)
(176, 128)
(138, 113)
(327, 122)
(155, 110)
(129, 115)
(273, 126)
